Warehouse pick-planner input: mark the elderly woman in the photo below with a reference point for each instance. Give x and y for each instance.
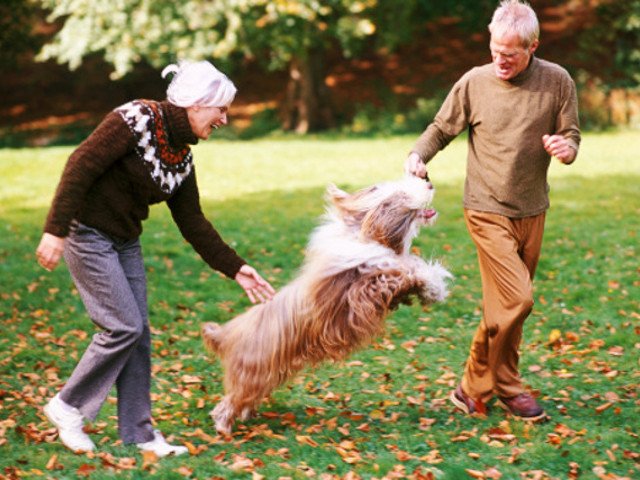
(138, 156)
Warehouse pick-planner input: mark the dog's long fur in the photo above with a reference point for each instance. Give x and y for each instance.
(357, 269)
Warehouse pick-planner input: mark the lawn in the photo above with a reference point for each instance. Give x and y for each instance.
(383, 413)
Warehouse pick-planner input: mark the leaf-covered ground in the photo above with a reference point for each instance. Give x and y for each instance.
(384, 412)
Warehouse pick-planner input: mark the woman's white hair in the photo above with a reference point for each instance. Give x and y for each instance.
(198, 84)
(515, 16)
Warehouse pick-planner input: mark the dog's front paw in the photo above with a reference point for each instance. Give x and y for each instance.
(434, 287)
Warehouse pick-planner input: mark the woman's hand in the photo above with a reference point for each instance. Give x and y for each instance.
(49, 251)
(257, 288)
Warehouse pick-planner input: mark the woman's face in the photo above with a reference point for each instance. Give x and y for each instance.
(204, 120)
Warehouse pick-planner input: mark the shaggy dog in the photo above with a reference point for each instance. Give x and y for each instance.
(357, 269)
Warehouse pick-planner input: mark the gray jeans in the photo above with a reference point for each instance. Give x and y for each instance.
(109, 275)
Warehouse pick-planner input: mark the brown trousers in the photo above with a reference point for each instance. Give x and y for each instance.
(508, 252)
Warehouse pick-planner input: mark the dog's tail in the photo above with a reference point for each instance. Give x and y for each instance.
(211, 336)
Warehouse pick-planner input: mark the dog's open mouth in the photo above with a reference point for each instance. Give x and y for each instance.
(427, 216)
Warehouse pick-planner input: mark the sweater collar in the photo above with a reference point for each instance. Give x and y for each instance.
(526, 73)
(178, 126)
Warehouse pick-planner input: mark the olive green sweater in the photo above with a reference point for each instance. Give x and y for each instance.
(105, 185)
(506, 162)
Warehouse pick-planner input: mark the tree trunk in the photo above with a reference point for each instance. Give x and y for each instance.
(308, 107)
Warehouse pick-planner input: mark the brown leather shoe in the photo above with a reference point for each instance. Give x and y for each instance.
(467, 404)
(523, 406)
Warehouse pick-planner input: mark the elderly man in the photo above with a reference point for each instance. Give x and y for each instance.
(519, 111)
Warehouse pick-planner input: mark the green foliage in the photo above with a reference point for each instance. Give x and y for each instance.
(16, 36)
(262, 123)
(393, 119)
(614, 39)
(472, 15)
(281, 31)
(127, 31)
(299, 34)
(384, 412)
(160, 31)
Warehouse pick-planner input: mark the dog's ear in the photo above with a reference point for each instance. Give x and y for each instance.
(339, 199)
(389, 223)
(342, 204)
(334, 194)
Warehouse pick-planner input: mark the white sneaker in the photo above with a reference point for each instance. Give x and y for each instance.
(160, 447)
(69, 422)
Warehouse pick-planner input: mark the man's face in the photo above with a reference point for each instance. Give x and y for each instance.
(509, 57)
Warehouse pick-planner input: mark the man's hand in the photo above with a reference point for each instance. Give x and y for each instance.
(559, 147)
(415, 166)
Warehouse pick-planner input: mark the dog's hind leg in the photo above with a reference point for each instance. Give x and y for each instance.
(211, 335)
(234, 405)
(245, 402)
(247, 413)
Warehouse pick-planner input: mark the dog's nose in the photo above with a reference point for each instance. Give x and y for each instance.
(426, 179)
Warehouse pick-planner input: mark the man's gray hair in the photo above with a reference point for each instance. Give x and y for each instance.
(515, 16)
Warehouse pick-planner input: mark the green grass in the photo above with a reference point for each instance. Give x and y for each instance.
(384, 412)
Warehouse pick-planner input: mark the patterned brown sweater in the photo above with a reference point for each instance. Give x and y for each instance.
(106, 185)
(506, 162)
